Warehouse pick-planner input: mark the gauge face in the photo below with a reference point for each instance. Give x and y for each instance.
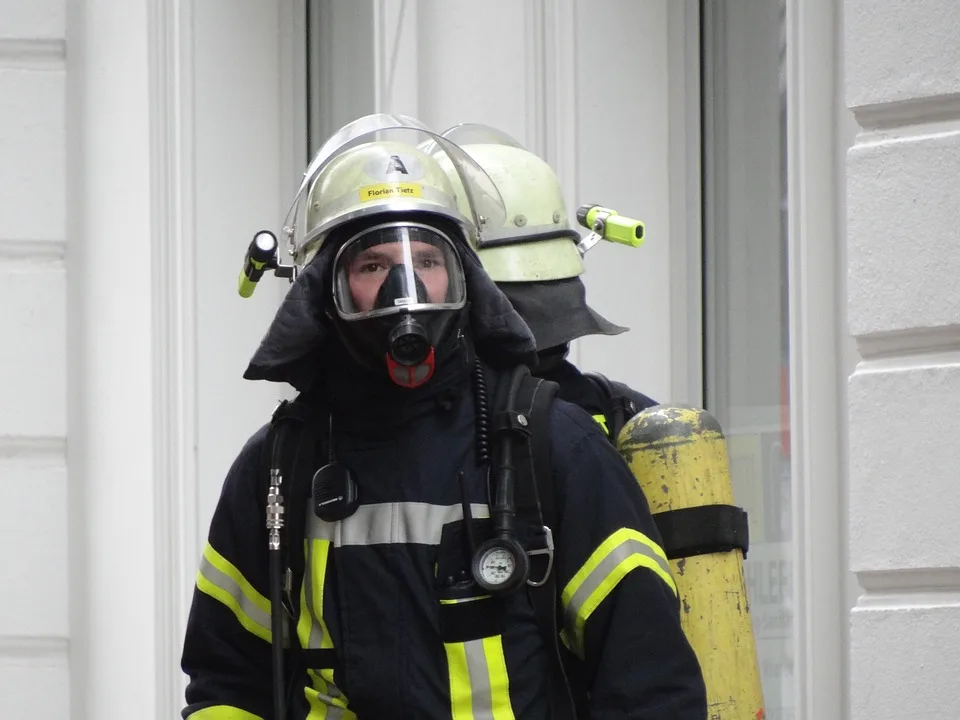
(497, 565)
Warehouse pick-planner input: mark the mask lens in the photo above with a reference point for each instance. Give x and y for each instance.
(397, 268)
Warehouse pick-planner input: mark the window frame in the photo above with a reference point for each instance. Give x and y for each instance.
(817, 387)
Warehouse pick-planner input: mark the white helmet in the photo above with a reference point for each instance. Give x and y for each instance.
(535, 242)
(398, 278)
(373, 166)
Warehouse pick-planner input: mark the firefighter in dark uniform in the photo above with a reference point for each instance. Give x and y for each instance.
(536, 260)
(396, 337)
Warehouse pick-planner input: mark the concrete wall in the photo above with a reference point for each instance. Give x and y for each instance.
(34, 676)
(903, 192)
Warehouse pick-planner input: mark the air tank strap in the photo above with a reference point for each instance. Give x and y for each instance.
(703, 530)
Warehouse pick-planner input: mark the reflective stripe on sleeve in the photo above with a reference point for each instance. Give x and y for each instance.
(222, 712)
(620, 553)
(219, 579)
(479, 685)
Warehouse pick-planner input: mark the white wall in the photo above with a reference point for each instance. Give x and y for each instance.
(182, 142)
(903, 83)
(243, 180)
(597, 105)
(34, 677)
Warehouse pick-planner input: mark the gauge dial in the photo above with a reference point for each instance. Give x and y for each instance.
(497, 565)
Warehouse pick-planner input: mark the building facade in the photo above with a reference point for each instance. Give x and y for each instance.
(796, 164)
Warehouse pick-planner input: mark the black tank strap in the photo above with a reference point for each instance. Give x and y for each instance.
(703, 530)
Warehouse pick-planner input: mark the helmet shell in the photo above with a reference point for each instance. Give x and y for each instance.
(378, 178)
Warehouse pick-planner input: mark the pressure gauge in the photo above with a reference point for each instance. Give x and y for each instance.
(500, 565)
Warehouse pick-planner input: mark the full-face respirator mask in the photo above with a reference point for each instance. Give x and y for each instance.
(398, 290)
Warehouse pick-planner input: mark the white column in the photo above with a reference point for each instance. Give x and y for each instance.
(903, 84)
(182, 144)
(114, 485)
(816, 263)
(34, 676)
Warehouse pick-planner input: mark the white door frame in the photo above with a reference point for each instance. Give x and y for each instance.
(686, 203)
(816, 382)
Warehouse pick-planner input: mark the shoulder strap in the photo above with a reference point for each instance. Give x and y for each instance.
(284, 450)
(536, 509)
(287, 425)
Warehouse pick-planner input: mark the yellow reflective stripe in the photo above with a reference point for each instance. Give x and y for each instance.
(457, 601)
(218, 578)
(324, 698)
(460, 695)
(311, 629)
(320, 552)
(623, 551)
(602, 421)
(499, 680)
(222, 712)
(337, 697)
(479, 684)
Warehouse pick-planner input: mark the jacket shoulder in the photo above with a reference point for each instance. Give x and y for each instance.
(640, 400)
(571, 425)
(248, 466)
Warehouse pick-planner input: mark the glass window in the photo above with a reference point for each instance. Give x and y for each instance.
(746, 343)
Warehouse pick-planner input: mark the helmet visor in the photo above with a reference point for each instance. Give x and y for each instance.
(396, 268)
(478, 134)
(486, 205)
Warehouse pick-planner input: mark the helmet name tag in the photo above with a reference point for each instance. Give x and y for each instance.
(385, 190)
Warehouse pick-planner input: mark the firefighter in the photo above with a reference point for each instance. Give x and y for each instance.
(677, 453)
(536, 259)
(409, 588)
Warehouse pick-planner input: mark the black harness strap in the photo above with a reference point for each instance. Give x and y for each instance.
(617, 407)
(536, 508)
(290, 422)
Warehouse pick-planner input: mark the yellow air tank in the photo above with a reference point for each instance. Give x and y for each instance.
(678, 454)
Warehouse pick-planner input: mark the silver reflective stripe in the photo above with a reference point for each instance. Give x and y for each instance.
(232, 588)
(479, 680)
(401, 523)
(617, 555)
(335, 712)
(315, 640)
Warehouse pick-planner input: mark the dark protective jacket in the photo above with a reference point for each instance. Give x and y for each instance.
(384, 634)
(577, 388)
